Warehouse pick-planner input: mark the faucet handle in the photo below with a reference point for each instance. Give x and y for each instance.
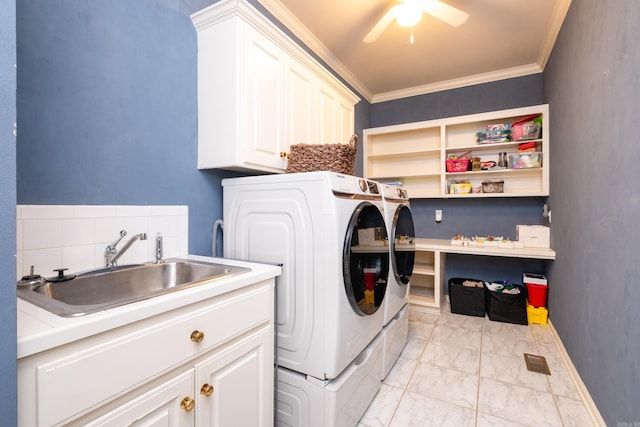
(112, 246)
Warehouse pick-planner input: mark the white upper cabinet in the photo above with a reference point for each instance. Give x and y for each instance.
(259, 92)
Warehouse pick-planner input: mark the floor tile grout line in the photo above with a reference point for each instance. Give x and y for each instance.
(479, 372)
(415, 367)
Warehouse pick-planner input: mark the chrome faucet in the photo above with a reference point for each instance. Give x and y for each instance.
(112, 254)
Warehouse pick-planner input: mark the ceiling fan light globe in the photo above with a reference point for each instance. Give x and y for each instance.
(409, 13)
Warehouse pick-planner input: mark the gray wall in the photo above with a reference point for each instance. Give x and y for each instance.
(500, 95)
(592, 83)
(7, 212)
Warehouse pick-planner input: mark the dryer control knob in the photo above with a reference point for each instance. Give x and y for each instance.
(363, 184)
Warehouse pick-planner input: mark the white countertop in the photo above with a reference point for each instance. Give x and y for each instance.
(40, 330)
(444, 245)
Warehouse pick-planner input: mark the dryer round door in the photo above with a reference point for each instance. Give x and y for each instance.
(365, 261)
(403, 247)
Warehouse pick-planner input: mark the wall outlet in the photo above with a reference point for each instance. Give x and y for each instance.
(438, 216)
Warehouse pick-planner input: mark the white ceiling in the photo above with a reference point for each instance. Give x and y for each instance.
(501, 39)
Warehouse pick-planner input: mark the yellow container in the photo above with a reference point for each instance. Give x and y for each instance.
(537, 315)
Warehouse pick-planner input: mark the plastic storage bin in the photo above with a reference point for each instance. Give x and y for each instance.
(525, 160)
(537, 315)
(466, 299)
(457, 165)
(537, 294)
(509, 308)
(525, 131)
(491, 136)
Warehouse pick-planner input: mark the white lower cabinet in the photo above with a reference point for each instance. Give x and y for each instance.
(231, 386)
(205, 364)
(224, 389)
(159, 406)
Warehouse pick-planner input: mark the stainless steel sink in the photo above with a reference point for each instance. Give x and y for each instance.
(111, 287)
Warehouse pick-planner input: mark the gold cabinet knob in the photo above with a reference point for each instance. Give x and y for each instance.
(187, 404)
(197, 336)
(206, 389)
(284, 154)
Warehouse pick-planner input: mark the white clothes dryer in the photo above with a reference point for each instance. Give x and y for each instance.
(328, 232)
(400, 229)
(401, 232)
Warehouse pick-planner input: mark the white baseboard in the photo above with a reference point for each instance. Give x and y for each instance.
(590, 405)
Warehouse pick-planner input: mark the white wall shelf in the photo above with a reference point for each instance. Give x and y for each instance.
(415, 154)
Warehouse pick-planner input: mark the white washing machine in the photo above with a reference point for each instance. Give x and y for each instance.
(401, 232)
(328, 232)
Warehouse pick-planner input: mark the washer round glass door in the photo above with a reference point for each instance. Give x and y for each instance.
(403, 246)
(365, 260)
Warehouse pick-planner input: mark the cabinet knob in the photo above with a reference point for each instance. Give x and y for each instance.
(284, 155)
(187, 404)
(207, 389)
(197, 336)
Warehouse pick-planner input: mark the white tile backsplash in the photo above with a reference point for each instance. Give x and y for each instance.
(75, 236)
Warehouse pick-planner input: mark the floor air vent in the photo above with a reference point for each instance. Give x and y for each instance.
(537, 364)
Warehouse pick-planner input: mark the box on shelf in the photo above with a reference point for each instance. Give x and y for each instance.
(459, 187)
(509, 308)
(534, 236)
(525, 160)
(466, 297)
(537, 315)
(493, 186)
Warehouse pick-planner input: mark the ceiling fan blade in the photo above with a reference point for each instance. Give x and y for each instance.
(444, 12)
(381, 25)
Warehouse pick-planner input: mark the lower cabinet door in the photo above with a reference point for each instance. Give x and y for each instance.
(160, 406)
(234, 387)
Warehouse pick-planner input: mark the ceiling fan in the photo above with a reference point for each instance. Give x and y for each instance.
(409, 12)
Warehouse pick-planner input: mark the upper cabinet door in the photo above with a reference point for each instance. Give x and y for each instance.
(263, 101)
(335, 116)
(300, 111)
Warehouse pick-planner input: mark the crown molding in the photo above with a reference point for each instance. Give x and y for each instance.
(557, 19)
(475, 79)
(293, 24)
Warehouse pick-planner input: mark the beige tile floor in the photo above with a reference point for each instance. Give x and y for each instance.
(461, 370)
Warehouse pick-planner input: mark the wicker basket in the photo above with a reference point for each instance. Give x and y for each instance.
(324, 157)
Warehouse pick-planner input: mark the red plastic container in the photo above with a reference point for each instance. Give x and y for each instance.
(537, 294)
(457, 165)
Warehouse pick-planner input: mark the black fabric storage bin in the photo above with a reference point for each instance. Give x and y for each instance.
(510, 308)
(465, 299)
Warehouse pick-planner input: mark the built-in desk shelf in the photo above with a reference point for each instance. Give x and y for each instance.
(428, 278)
